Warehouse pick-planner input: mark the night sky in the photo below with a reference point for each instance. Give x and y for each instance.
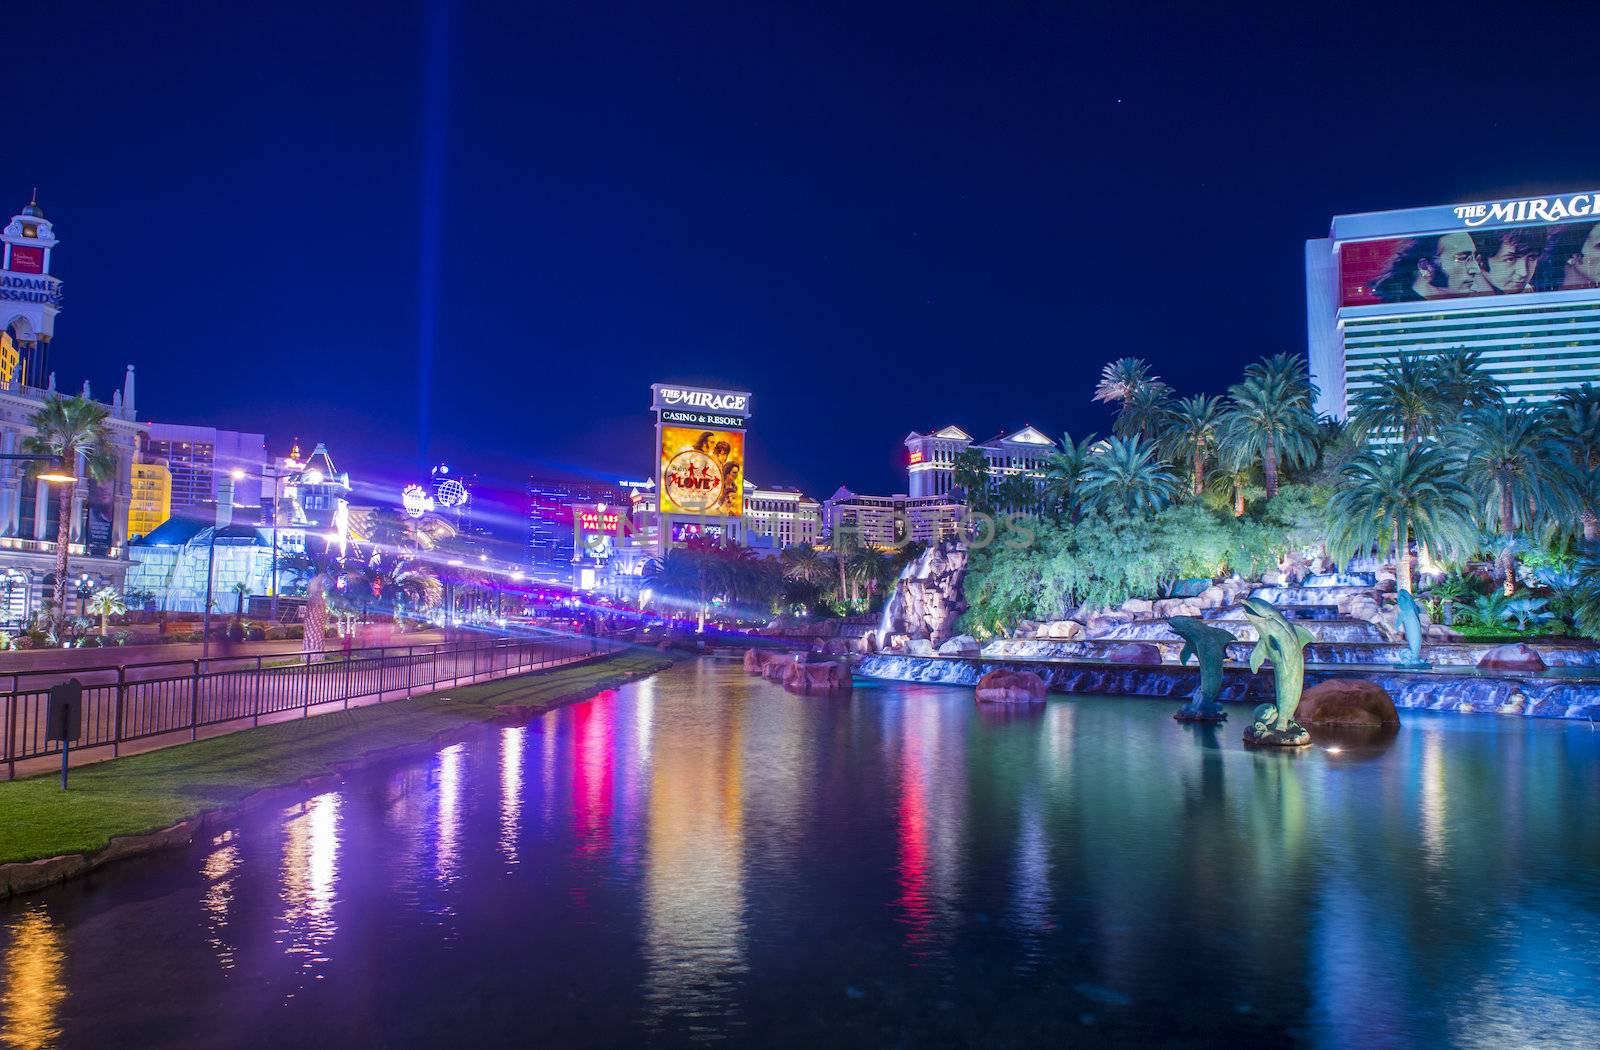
(877, 218)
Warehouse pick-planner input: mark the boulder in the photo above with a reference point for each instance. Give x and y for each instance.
(1346, 702)
(1132, 653)
(1514, 657)
(1001, 686)
(1137, 606)
(756, 661)
(1211, 598)
(869, 642)
(961, 645)
(830, 677)
(1026, 629)
(776, 670)
(1063, 630)
(919, 647)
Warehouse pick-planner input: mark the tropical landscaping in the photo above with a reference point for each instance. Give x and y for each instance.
(1484, 508)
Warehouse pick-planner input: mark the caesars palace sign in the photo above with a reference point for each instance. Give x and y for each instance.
(1531, 209)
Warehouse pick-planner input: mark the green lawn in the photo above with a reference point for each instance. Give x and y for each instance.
(159, 788)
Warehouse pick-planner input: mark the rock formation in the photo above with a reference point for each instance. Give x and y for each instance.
(1002, 686)
(1514, 657)
(927, 601)
(1347, 702)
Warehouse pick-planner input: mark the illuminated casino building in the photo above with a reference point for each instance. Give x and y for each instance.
(1517, 280)
(931, 457)
(30, 299)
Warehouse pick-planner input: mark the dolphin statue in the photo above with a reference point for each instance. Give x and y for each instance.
(1209, 646)
(1284, 643)
(1411, 624)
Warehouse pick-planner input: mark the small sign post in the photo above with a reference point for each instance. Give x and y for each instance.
(64, 718)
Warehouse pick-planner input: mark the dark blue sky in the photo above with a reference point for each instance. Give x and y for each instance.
(875, 217)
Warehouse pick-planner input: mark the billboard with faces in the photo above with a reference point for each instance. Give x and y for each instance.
(702, 471)
(1460, 264)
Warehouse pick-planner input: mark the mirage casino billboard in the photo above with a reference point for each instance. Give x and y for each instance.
(700, 447)
(1536, 244)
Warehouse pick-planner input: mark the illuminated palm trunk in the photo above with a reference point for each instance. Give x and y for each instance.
(63, 537)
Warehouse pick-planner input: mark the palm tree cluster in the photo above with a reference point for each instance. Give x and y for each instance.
(1433, 456)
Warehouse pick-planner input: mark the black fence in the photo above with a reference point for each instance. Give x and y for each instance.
(130, 702)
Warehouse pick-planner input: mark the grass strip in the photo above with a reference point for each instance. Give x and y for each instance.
(156, 789)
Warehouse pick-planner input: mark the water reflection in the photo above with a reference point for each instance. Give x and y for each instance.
(310, 882)
(447, 822)
(694, 899)
(218, 869)
(34, 986)
(713, 857)
(511, 744)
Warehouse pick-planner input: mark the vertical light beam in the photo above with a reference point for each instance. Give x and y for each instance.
(435, 89)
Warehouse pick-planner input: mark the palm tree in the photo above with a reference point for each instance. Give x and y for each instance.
(1144, 412)
(73, 430)
(1270, 419)
(970, 474)
(1018, 493)
(1401, 494)
(1194, 428)
(105, 604)
(1062, 474)
(240, 590)
(1405, 399)
(1575, 425)
(1127, 478)
(1121, 379)
(1514, 468)
(867, 569)
(1139, 396)
(803, 564)
(1464, 382)
(1233, 477)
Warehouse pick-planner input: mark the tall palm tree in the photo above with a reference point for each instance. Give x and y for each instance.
(1018, 493)
(1405, 399)
(970, 474)
(1397, 495)
(1141, 398)
(1062, 473)
(1121, 379)
(74, 430)
(1575, 425)
(1232, 477)
(1127, 478)
(1194, 428)
(1464, 381)
(1270, 419)
(1515, 470)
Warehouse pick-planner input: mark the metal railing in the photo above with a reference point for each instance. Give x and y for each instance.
(128, 702)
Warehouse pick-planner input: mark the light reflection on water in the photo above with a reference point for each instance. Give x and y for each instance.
(310, 882)
(34, 988)
(704, 857)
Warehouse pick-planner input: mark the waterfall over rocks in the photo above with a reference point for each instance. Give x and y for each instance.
(926, 600)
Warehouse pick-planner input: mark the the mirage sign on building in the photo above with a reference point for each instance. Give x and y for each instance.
(699, 455)
(1530, 244)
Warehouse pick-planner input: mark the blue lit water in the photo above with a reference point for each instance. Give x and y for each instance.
(704, 858)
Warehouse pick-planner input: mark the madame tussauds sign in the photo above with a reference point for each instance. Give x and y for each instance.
(673, 396)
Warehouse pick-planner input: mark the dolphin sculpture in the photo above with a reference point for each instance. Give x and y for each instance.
(1411, 624)
(1284, 643)
(1209, 646)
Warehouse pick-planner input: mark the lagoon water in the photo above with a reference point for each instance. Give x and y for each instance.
(704, 858)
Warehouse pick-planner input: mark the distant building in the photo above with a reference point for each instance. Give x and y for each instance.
(780, 517)
(890, 521)
(550, 531)
(931, 457)
(200, 462)
(150, 502)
